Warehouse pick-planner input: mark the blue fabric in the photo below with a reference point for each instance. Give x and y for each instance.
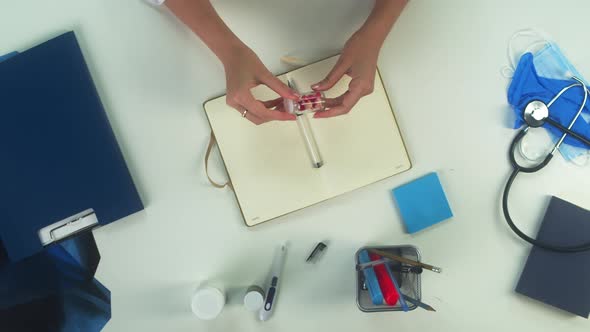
(47, 314)
(57, 287)
(422, 203)
(527, 85)
(86, 308)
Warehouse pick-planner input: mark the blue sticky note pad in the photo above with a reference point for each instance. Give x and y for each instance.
(422, 203)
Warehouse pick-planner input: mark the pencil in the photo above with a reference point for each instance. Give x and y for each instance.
(406, 260)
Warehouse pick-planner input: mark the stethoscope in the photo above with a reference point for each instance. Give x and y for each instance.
(536, 114)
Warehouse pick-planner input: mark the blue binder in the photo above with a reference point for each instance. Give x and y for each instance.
(59, 154)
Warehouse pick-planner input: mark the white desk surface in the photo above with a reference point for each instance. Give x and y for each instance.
(441, 67)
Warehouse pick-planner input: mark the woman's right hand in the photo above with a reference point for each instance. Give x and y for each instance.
(243, 71)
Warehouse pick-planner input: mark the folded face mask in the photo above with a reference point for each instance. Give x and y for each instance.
(549, 62)
(527, 85)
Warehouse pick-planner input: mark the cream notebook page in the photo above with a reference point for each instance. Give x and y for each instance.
(268, 164)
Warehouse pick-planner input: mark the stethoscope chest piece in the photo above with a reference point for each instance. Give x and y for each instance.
(535, 113)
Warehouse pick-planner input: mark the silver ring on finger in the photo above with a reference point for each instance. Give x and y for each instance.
(244, 113)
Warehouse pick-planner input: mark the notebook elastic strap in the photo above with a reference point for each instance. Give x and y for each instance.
(212, 142)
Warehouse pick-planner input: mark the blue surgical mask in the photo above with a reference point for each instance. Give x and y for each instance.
(550, 62)
(528, 85)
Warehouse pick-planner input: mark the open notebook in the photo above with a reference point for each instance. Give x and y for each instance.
(269, 167)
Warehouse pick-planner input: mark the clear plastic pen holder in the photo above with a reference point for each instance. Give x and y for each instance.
(409, 283)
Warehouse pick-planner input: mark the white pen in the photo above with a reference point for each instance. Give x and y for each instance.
(273, 283)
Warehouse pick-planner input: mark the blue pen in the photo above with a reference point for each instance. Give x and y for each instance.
(371, 279)
(402, 301)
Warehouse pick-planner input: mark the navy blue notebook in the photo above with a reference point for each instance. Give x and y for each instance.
(59, 154)
(560, 279)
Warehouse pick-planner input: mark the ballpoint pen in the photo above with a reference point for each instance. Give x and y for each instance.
(402, 300)
(418, 303)
(273, 284)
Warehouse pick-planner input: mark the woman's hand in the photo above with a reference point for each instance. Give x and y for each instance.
(359, 58)
(359, 61)
(243, 71)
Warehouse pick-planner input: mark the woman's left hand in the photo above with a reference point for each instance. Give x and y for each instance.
(359, 61)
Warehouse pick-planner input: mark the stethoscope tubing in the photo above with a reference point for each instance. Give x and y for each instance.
(570, 132)
(517, 169)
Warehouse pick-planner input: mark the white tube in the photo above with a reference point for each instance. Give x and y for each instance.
(310, 143)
